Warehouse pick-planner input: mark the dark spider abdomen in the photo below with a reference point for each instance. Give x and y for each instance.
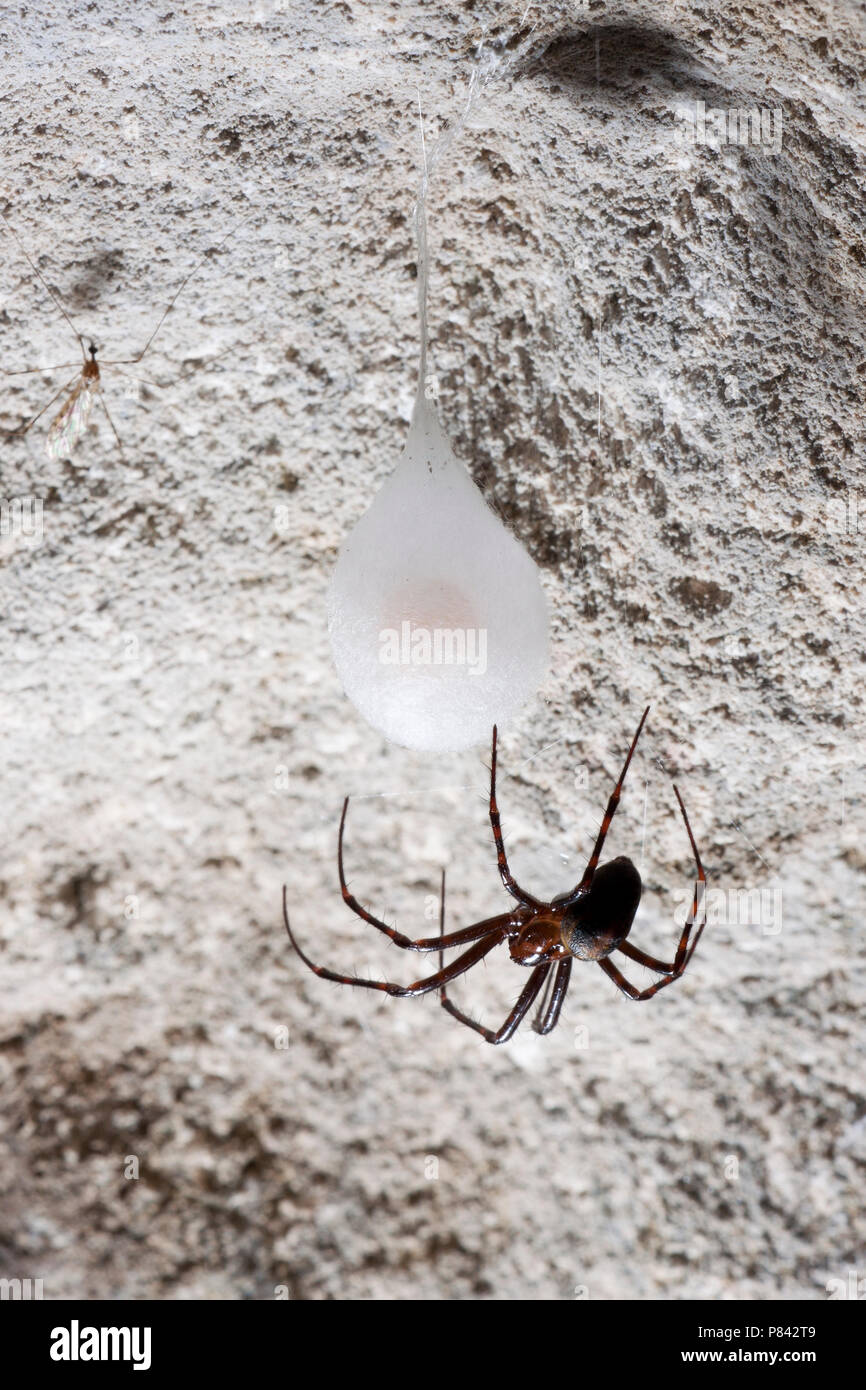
(602, 917)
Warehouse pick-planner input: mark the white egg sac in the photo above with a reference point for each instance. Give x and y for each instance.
(437, 617)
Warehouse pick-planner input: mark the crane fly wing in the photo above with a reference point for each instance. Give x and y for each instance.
(70, 421)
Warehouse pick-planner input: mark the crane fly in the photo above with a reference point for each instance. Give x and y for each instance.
(70, 422)
(83, 390)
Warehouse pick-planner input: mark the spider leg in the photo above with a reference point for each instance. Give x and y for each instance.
(351, 901)
(521, 1007)
(610, 812)
(685, 950)
(548, 1014)
(457, 967)
(457, 938)
(22, 429)
(635, 953)
(545, 999)
(440, 943)
(512, 1022)
(633, 993)
(504, 873)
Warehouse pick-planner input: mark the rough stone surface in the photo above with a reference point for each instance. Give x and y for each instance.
(175, 741)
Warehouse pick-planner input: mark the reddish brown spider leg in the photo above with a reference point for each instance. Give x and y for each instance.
(441, 917)
(521, 1007)
(504, 921)
(684, 950)
(651, 963)
(457, 938)
(504, 873)
(544, 1002)
(514, 1019)
(418, 987)
(702, 878)
(548, 1014)
(680, 960)
(633, 993)
(611, 810)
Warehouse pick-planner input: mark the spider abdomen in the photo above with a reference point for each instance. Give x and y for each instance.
(602, 917)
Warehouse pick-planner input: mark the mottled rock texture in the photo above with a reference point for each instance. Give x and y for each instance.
(175, 744)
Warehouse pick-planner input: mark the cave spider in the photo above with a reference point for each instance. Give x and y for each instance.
(587, 923)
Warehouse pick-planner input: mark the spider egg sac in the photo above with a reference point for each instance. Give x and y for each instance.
(437, 618)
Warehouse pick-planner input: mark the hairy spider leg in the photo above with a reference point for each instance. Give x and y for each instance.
(457, 938)
(548, 1014)
(521, 1008)
(514, 1019)
(589, 872)
(465, 962)
(684, 952)
(504, 872)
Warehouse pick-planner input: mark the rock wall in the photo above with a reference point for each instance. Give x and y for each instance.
(650, 346)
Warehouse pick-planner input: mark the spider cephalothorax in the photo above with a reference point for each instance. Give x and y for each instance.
(589, 923)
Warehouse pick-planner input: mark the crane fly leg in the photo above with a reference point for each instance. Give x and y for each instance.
(111, 423)
(22, 429)
(30, 371)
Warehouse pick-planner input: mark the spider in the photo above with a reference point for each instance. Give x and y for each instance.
(587, 923)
